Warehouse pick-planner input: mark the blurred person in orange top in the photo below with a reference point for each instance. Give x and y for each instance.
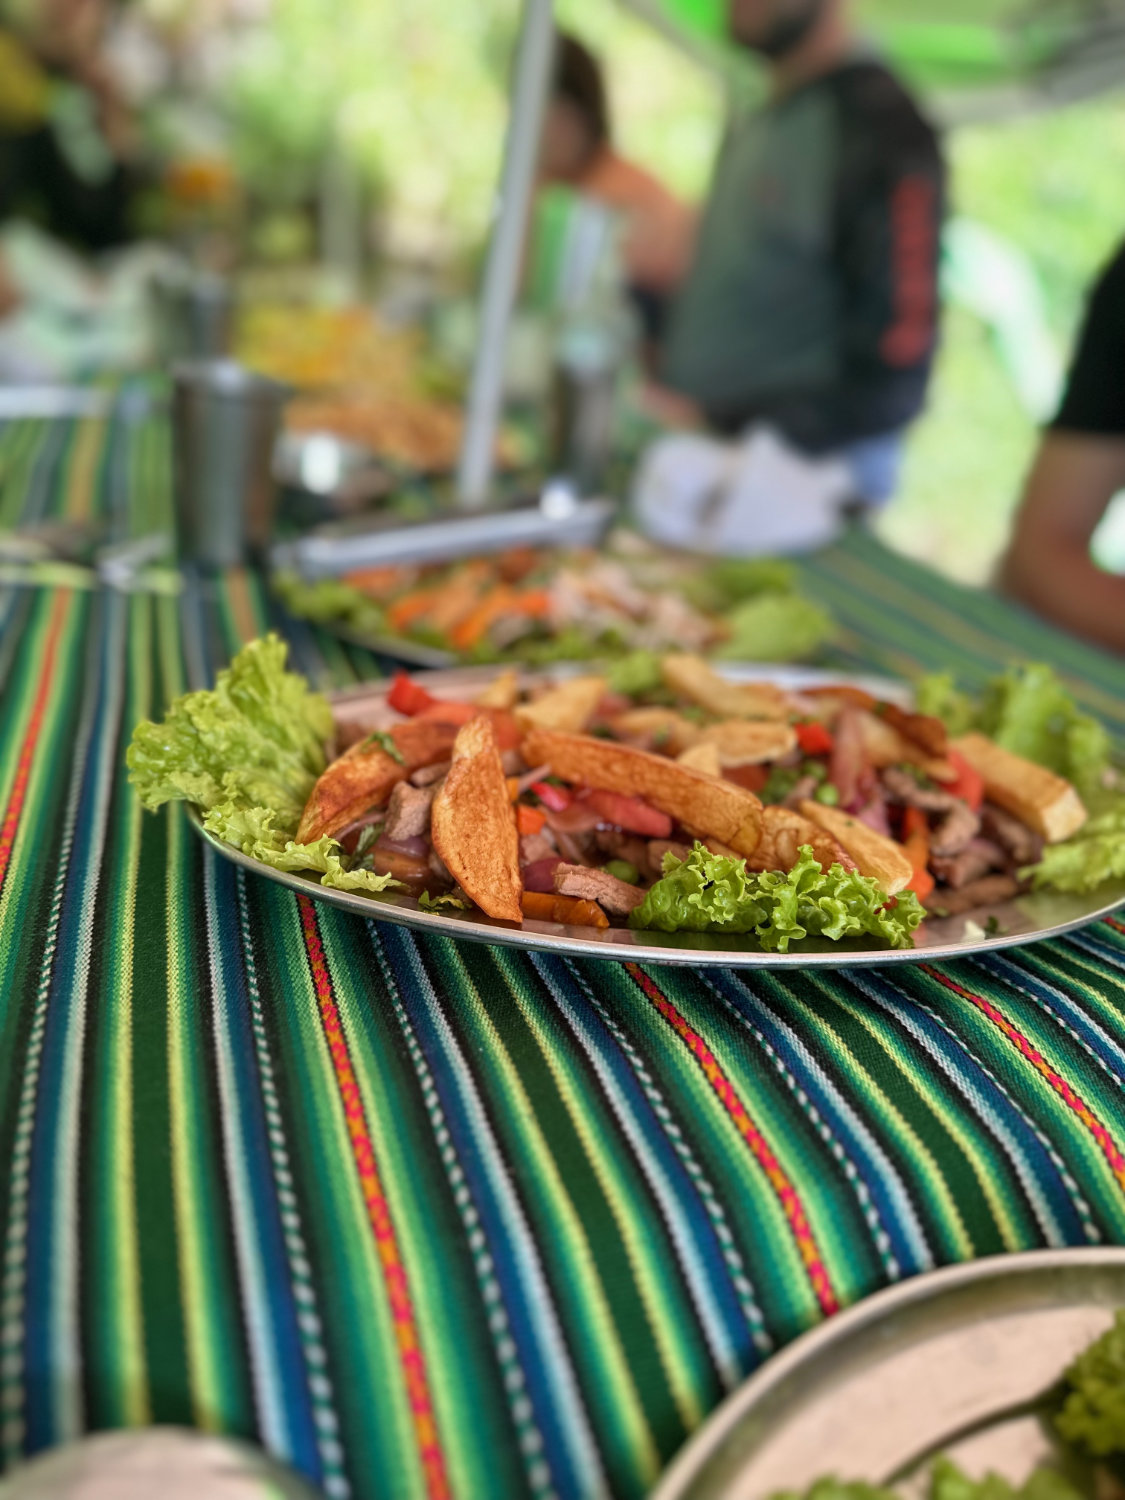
(578, 152)
(1079, 469)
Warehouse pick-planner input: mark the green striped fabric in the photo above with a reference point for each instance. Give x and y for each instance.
(429, 1219)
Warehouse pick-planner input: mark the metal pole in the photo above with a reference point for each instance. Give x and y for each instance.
(505, 253)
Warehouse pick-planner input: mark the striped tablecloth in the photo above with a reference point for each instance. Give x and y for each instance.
(439, 1220)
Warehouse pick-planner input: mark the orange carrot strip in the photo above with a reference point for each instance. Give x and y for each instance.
(530, 820)
(569, 910)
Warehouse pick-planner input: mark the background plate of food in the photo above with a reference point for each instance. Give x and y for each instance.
(997, 1380)
(671, 812)
(539, 606)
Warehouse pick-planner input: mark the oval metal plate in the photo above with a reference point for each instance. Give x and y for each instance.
(957, 1361)
(1023, 920)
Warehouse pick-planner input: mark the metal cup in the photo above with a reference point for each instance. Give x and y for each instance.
(225, 421)
(193, 316)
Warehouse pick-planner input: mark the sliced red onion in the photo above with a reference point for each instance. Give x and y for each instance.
(540, 875)
(416, 848)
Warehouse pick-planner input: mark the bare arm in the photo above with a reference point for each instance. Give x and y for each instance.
(1048, 565)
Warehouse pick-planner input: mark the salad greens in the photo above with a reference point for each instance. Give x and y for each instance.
(948, 1482)
(775, 627)
(1031, 712)
(1093, 1414)
(248, 752)
(714, 893)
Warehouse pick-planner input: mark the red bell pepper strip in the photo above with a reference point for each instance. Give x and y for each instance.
(553, 797)
(815, 738)
(631, 814)
(969, 785)
(407, 697)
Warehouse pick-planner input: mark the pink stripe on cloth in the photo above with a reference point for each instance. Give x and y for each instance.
(1109, 1148)
(787, 1195)
(379, 1217)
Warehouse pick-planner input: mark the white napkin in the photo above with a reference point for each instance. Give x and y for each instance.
(759, 495)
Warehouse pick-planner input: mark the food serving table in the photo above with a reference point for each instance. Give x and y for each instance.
(429, 1219)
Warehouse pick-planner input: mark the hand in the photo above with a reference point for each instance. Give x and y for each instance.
(669, 408)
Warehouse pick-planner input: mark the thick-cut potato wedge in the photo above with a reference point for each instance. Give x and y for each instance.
(568, 708)
(705, 807)
(473, 825)
(885, 746)
(1045, 802)
(702, 757)
(783, 833)
(694, 679)
(873, 853)
(750, 742)
(364, 776)
(662, 725)
(502, 691)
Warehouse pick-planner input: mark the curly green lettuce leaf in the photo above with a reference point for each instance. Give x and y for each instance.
(635, 674)
(715, 893)
(248, 752)
(839, 1489)
(776, 627)
(948, 1482)
(1092, 1418)
(1030, 712)
(1095, 854)
(253, 830)
(938, 695)
(257, 736)
(446, 898)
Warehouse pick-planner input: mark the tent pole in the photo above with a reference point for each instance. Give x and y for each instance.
(505, 253)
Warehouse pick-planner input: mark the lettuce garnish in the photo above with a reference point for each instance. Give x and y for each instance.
(1095, 854)
(1092, 1418)
(775, 627)
(714, 893)
(1032, 713)
(248, 752)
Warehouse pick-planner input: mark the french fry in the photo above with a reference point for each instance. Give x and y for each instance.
(502, 691)
(365, 775)
(696, 680)
(750, 742)
(702, 757)
(783, 833)
(671, 729)
(473, 824)
(707, 808)
(873, 853)
(1045, 802)
(568, 707)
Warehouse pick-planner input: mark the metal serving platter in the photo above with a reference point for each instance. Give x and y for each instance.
(1022, 920)
(961, 1361)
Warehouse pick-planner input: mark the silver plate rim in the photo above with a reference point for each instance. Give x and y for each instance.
(622, 945)
(686, 1468)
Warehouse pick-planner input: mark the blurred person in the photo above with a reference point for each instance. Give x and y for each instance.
(68, 144)
(811, 307)
(578, 152)
(1079, 469)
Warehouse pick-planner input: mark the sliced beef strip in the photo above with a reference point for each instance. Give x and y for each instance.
(658, 848)
(429, 775)
(977, 858)
(611, 894)
(536, 846)
(956, 831)
(1022, 843)
(625, 846)
(408, 811)
(987, 892)
(902, 787)
(575, 847)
